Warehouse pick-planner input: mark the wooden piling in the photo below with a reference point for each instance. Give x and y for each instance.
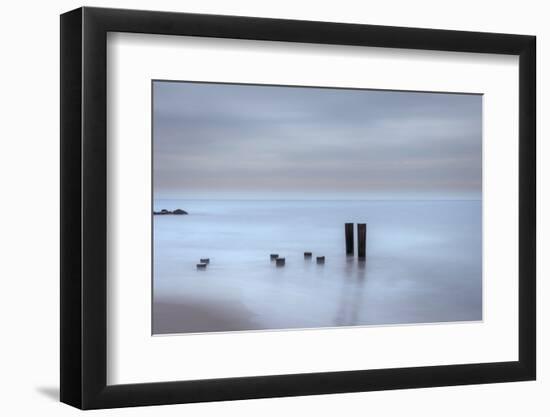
(273, 256)
(307, 255)
(361, 241)
(320, 259)
(201, 266)
(280, 261)
(349, 239)
(205, 260)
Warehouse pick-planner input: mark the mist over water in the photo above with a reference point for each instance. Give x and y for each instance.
(423, 264)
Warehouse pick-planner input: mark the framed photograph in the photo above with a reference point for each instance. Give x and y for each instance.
(257, 208)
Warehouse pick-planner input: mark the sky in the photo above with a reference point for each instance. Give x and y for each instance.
(250, 141)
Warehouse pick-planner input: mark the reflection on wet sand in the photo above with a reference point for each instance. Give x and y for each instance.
(351, 297)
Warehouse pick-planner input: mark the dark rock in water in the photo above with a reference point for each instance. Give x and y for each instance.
(164, 211)
(201, 266)
(307, 255)
(280, 261)
(273, 256)
(205, 260)
(320, 259)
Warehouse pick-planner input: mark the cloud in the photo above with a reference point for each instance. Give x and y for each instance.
(233, 138)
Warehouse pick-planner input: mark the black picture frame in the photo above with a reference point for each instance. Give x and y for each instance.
(84, 207)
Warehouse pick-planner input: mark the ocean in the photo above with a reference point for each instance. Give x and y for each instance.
(423, 264)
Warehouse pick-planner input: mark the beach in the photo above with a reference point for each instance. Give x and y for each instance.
(423, 265)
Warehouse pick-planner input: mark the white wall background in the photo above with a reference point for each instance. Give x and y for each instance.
(29, 236)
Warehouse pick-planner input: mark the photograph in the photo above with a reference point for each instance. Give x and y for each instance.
(268, 205)
(303, 207)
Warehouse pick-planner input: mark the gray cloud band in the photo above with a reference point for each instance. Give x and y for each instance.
(226, 137)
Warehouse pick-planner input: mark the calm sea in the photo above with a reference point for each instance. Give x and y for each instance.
(423, 265)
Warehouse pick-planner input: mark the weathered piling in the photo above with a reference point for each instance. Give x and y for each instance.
(273, 256)
(280, 261)
(362, 241)
(307, 255)
(205, 260)
(349, 239)
(202, 265)
(320, 259)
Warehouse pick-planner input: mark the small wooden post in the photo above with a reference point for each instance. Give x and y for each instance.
(349, 239)
(201, 266)
(320, 260)
(273, 256)
(280, 261)
(361, 241)
(307, 255)
(205, 260)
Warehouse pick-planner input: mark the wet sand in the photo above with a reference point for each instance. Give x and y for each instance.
(188, 317)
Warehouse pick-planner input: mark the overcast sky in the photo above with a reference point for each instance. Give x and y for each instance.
(249, 141)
